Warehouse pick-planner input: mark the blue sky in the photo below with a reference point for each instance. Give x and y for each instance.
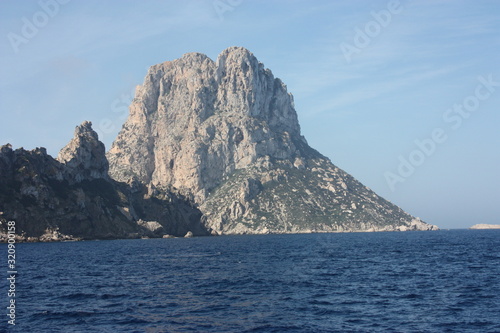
(369, 79)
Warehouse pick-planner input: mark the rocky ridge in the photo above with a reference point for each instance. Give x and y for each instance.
(225, 134)
(73, 198)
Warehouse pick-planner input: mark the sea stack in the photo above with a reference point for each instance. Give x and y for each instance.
(225, 134)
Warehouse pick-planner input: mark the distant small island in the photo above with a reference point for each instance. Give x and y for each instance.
(485, 226)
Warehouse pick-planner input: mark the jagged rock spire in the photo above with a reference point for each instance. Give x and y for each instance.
(85, 156)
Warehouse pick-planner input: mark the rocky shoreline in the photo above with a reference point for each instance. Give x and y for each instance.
(55, 236)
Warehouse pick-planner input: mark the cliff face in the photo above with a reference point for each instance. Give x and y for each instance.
(75, 198)
(84, 156)
(226, 135)
(195, 121)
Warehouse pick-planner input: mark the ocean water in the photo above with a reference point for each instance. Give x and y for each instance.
(443, 281)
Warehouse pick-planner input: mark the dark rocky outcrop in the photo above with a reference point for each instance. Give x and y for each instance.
(74, 198)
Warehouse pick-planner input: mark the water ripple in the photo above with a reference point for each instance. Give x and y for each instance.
(446, 281)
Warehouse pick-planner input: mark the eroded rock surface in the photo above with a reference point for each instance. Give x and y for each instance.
(225, 134)
(73, 198)
(84, 156)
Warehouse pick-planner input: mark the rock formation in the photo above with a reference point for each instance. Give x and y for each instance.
(225, 134)
(208, 147)
(84, 156)
(75, 199)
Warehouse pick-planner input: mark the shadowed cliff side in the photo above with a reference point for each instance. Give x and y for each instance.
(73, 197)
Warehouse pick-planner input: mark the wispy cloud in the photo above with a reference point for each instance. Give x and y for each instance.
(390, 84)
(427, 43)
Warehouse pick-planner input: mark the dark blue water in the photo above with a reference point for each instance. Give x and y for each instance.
(444, 281)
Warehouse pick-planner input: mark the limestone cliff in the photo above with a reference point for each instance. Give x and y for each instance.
(76, 199)
(226, 135)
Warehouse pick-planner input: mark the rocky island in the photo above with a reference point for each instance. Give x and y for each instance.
(209, 147)
(485, 226)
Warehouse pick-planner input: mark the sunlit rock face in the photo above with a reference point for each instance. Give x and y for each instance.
(225, 134)
(84, 156)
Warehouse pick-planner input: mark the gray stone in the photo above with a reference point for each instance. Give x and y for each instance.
(84, 156)
(225, 134)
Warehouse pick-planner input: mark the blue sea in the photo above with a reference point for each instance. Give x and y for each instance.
(439, 281)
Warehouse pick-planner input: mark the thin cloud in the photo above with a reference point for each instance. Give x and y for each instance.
(361, 92)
